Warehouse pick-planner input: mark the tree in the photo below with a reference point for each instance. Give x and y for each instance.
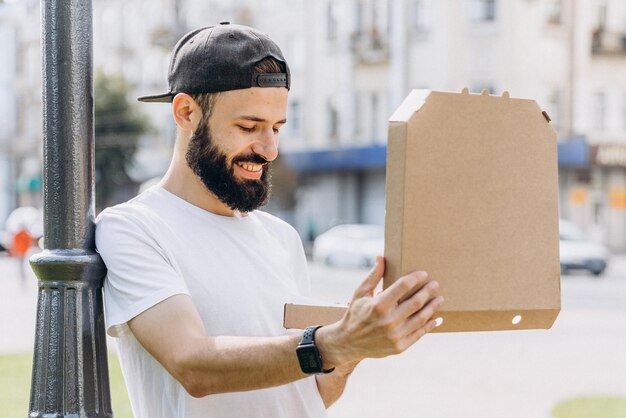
(118, 128)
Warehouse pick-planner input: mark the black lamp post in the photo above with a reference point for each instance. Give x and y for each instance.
(70, 372)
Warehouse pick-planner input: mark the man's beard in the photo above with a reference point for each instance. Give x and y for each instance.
(210, 165)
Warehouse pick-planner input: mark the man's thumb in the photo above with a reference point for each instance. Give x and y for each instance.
(366, 288)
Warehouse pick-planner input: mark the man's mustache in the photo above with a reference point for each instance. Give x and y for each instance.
(251, 158)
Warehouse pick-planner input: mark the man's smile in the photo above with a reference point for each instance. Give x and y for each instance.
(249, 170)
(251, 167)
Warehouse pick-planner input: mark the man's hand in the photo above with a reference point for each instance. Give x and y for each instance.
(381, 325)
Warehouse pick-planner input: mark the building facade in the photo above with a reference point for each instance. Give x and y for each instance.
(570, 56)
(352, 63)
(20, 106)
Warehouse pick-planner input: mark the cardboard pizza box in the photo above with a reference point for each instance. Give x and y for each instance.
(471, 198)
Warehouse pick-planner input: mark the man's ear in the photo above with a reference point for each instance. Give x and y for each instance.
(186, 112)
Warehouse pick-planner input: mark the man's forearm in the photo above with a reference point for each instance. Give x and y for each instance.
(173, 333)
(230, 364)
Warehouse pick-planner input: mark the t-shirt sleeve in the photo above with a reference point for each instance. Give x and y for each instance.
(139, 273)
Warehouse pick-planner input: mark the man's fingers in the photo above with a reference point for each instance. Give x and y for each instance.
(366, 288)
(416, 302)
(422, 318)
(403, 287)
(412, 338)
(420, 323)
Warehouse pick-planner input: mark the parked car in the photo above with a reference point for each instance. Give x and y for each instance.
(580, 253)
(349, 245)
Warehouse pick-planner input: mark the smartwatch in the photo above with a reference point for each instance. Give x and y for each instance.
(308, 354)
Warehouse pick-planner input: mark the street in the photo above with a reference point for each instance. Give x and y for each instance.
(518, 374)
(512, 374)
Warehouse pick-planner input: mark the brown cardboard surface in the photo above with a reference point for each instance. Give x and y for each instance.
(301, 316)
(472, 198)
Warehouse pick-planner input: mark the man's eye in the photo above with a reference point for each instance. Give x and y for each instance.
(246, 129)
(276, 130)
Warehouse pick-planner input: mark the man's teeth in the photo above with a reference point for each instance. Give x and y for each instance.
(251, 167)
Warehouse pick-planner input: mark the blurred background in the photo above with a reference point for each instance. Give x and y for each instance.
(352, 63)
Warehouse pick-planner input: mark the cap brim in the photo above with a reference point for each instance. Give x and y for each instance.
(158, 98)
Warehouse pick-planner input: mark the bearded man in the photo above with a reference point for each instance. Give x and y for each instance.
(197, 276)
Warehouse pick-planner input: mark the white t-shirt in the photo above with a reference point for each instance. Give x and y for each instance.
(239, 271)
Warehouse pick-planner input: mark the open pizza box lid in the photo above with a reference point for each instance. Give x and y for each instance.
(472, 199)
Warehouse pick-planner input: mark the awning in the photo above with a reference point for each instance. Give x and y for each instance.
(572, 153)
(340, 159)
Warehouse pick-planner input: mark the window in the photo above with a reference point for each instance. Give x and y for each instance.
(484, 10)
(294, 118)
(32, 61)
(372, 20)
(374, 115)
(359, 18)
(357, 114)
(295, 51)
(599, 111)
(555, 11)
(419, 15)
(602, 16)
(554, 107)
(8, 51)
(331, 21)
(8, 115)
(380, 17)
(333, 121)
(624, 111)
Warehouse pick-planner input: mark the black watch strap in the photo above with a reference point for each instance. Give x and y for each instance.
(308, 343)
(309, 335)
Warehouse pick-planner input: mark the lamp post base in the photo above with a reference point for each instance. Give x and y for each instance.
(70, 370)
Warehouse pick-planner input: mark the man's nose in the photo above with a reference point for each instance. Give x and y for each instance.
(266, 145)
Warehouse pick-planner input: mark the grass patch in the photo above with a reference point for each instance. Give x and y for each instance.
(591, 407)
(119, 395)
(15, 375)
(15, 371)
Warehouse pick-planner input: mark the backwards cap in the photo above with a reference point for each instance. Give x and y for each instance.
(221, 58)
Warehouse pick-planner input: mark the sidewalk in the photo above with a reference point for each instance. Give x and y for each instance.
(18, 303)
(474, 375)
(18, 307)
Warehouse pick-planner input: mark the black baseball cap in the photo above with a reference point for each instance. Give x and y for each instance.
(221, 58)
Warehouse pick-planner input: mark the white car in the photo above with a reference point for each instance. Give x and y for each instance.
(578, 252)
(349, 245)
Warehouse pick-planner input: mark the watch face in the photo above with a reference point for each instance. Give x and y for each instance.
(309, 359)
